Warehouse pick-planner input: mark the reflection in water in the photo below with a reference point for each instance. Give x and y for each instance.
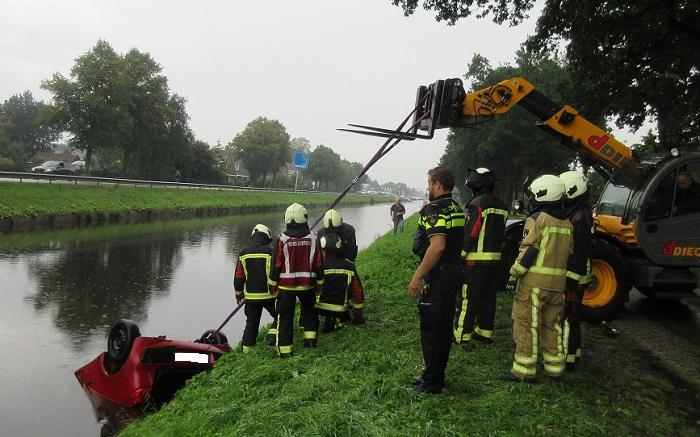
(70, 285)
(88, 287)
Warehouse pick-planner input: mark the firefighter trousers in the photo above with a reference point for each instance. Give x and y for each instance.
(436, 309)
(286, 303)
(476, 304)
(537, 323)
(572, 330)
(253, 311)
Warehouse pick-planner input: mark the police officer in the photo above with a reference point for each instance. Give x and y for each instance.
(578, 273)
(438, 278)
(481, 249)
(540, 271)
(252, 281)
(333, 223)
(298, 274)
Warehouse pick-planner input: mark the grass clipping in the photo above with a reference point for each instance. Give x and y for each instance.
(356, 382)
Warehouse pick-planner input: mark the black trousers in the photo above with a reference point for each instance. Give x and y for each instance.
(572, 329)
(476, 303)
(286, 302)
(436, 309)
(253, 310)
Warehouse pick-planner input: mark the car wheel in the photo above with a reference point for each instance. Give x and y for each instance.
(121, 338)
(213, 337)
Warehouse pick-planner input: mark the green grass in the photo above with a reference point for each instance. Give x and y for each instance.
(37, 199)
(355, 382)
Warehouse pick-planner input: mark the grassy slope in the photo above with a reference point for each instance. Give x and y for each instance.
(28, 199)
(355, 382)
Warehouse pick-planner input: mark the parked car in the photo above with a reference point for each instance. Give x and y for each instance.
(54, 167)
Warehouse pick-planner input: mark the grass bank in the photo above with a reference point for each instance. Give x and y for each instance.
(355, 382)
(41, 199)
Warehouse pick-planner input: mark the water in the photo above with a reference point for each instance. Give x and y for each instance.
(62, 290)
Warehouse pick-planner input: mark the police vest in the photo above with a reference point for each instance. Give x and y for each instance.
(442, 216)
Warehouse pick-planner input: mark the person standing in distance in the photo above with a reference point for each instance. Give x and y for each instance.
(438, 278)
(397, 212)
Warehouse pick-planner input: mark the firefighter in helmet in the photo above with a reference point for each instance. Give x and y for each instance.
(333, 224)
(578, 273)
(253, 283)
(481, 249)
(539, 278)
(298, 274)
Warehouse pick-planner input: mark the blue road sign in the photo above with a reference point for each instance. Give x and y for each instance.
(301, 160)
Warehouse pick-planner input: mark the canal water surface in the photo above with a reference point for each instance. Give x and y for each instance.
(62, 290)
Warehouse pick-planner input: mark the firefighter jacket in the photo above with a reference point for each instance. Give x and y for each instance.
(442, 216)
(342, 288)
(579, 266)
(484, 233)
(252, 279)
(346, 233)
(544, 251)
(298, 260)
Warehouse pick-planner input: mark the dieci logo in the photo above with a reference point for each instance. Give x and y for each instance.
(600, 143)
(670, 249)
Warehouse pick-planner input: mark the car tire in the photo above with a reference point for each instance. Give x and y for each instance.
(213, 337)
(121, 338)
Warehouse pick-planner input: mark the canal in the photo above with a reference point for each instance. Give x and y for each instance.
(62, 290)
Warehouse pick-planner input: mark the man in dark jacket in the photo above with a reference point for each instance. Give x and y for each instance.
(252, 282)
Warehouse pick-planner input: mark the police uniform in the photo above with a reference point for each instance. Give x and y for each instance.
(539, 300)
(483, 239)
(578, 276)
(442, 216)
(252, 281)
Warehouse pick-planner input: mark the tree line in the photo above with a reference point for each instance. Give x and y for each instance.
(627, 61)
(119, 110)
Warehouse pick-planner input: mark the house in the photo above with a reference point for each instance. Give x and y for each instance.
(236, 171)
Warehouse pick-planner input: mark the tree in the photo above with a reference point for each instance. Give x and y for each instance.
(93, 105)
(638, 58)
(204, 165)
(510, 144)
(324, 166)
(263, 146)
(25, 124)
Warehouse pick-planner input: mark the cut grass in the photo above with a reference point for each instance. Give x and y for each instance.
(356, 382)
(38, 199)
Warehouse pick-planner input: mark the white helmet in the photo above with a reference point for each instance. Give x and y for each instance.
(296, 214)
(547, 188)
(263, 230)
(575, 183)
(332, 219)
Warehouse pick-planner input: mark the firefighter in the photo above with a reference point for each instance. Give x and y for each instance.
(578, 274)
(438, 278)
(333, 223)
(483, 237)
(342, 289)
(540, 271)
(252, 282)
(298, 274)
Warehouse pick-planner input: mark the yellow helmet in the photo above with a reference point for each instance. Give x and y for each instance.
(332, 219)
(575, 183)
(296, 214)
(263, 230)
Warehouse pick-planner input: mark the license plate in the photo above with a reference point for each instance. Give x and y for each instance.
(192, 357)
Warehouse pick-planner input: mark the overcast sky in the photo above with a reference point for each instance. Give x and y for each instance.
(314, 65)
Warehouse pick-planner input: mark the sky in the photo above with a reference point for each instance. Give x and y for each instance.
(314, 65)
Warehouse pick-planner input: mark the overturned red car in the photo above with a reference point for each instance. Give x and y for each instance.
(136, 369)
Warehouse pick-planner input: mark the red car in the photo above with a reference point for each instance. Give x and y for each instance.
(136, 369)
